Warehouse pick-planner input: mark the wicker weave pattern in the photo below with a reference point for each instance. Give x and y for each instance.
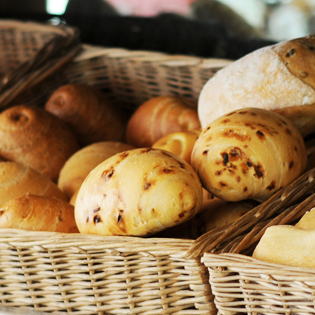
(81, 274)
(244, 284)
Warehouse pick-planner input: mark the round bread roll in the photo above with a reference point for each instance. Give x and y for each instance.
(249, 154)
(160, 116)
(38, 213)
(17, 180)
(33, 137)
(280, 77)
(137, 192)
(79, 165)
(180, 143)
(89, 113)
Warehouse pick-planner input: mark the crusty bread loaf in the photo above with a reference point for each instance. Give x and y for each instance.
(38, 213)
(287, 245)
(160, 116)
(17, 179)
(34, 137)
(138, 192)
(79, 165)
(180, 143)
(278, 77)
(249, 154)
(89, 113)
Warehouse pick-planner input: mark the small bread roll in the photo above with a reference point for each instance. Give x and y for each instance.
(278, 77)
(89, 113)
(34, 137)
(79, 165)
(17, 180)
(38, 213)
(160, 116)
(287, 245)
(180, 143)
(249, 154)
(138, 192)
(307, 221)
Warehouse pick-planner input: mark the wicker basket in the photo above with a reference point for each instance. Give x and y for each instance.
(29, 53)
(80, 274)
(242, 284)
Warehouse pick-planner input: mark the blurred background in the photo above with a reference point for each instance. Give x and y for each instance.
(205, 28)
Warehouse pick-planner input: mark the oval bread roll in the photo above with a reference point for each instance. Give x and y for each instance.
(160, 116)
(180, 143)
(89, 113)
(34, 137)
(278, 77)
(138, 192)
(79, 165)
(249, 154)
(38, 213)
(17, 180)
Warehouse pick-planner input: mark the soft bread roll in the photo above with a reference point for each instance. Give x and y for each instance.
(160, 116)
(34, 137)
(287, 245)
(38, 213)
(180, 143)
(79, 165)
(137, 192)
(307, 221)
(89, 113)
(17, 180)
(278, 77)
(249, 154)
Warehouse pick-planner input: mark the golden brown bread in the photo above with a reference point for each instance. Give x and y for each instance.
(278, 77)
(180, 143)
(138, 192)
(38, 213)
(17, 179)
(249, 154)
(89, 113)
(79, 165)
(160, 116)
(34, 137)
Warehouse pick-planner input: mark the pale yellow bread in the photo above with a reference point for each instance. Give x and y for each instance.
(79, 165)
(307, 221)
(287, 245)
(274, 77)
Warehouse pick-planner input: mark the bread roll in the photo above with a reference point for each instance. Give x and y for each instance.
(17, 180)
(79, 165)
(38, 213)
(160, 116)
(277, 77)
(287, 245)
(249, 154)
(180, 143)
(35, 138)
(137, 192)
(307, 221)
(89, 113)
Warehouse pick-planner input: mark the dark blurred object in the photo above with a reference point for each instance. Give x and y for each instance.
(168, 33)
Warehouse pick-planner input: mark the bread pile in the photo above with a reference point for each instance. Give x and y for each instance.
(173, 167)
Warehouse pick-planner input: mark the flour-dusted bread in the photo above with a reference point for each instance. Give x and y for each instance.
(287, 245)
(160, 116)
(38, 213)
(79, 165)
(138, 192)
(17, 180)
(280, 77)
(249, 154)
(89, 112)
(33, 137)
